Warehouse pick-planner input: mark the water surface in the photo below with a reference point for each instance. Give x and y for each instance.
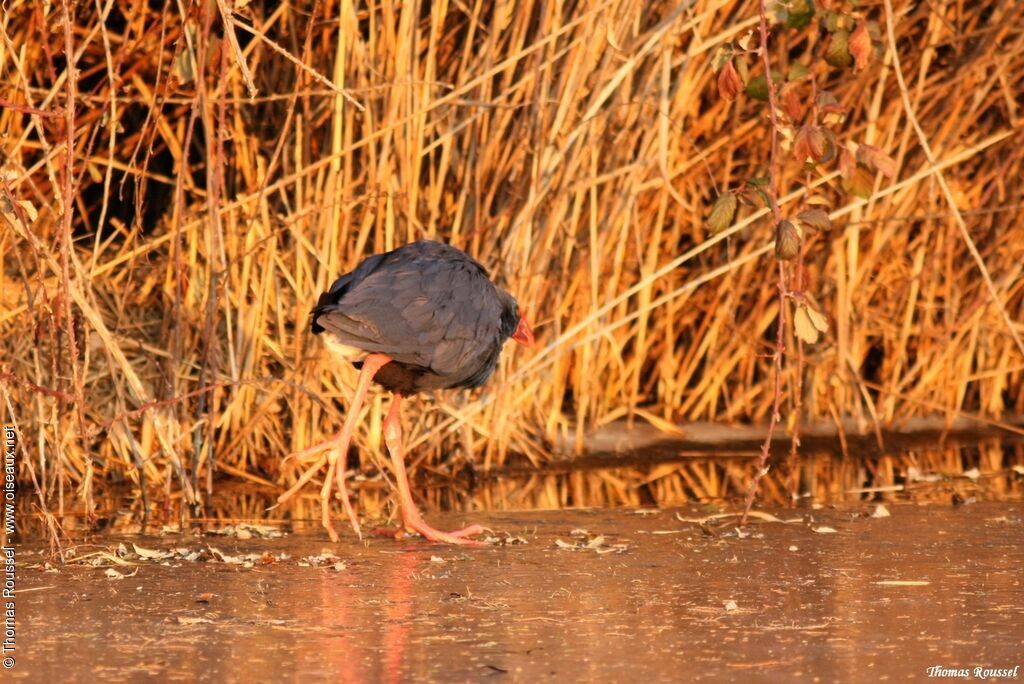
(592, 595)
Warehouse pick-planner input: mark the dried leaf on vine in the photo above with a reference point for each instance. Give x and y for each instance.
(875, 158)
(798, 71)
(809, 144)
(800, 13)
(729, 82)
(817, 319)
(831, 111)
(722, 212)
(834, 21)
(847, 162)
(778, 11)
(757, 87)
(753, 191)
(791, 103)
(723, 55)
(803, 327)
(787, 241)
(860, 46)
(808, 323)
(815, 218)
(837, 53)
(859, 181)
(830, 146)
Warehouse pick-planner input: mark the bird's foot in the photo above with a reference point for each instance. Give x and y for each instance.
(335, 479)
(310, 454)
(338, 455)
(301, 482)
(416, 525)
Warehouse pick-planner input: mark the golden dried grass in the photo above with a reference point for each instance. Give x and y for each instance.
(573, 148)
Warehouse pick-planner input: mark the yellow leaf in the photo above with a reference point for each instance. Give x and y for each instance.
(805, 329)
(30, 210)
(818, 320)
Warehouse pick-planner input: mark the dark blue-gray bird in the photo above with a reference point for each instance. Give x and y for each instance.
(422, 317)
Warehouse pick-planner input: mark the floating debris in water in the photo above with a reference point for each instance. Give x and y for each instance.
(122, 556)
(248, 531)
(248, 560)
(113, 574)
(767, 517)
(588, 542)
(97, 559)
(507, 540)
(325, 558)
(147, 554)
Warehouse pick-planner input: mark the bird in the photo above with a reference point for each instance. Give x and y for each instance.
(422, 317)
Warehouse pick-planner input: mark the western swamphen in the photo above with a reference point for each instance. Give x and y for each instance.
(426, 316)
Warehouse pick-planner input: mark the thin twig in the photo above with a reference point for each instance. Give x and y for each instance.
(780, 333)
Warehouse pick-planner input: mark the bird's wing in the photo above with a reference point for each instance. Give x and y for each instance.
(471, 315)
(436, 313)
(328, 300)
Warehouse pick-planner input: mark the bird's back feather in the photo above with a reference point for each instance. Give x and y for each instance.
(428, 306)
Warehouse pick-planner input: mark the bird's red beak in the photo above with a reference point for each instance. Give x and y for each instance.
(524, 333)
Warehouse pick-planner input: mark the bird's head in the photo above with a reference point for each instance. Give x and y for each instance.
(513, 322)
(523, 334)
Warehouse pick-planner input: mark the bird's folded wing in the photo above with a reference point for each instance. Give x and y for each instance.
(432, 314)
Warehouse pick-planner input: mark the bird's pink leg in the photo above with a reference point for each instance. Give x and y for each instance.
(411, 517)
(337, 459)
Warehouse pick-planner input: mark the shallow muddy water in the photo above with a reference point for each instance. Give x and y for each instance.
(626, 474)
(578, 595)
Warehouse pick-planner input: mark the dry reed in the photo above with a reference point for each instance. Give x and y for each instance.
(159, 262)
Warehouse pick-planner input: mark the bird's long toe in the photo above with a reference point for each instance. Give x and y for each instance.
(334, 479)
(470, 531)
(460, 537)
(312, 454)
(325, 501)
(303, 479)
(346, 503)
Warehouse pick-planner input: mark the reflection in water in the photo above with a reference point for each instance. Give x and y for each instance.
(396, 625)
(986, 470)
(886, 596)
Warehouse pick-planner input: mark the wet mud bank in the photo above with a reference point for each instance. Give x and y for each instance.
(581, 595)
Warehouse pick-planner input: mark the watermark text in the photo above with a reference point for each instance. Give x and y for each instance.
(973, 672)
(7, 592)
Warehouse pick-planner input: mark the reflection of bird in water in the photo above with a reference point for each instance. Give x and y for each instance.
(358, 640)
(427, 317)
